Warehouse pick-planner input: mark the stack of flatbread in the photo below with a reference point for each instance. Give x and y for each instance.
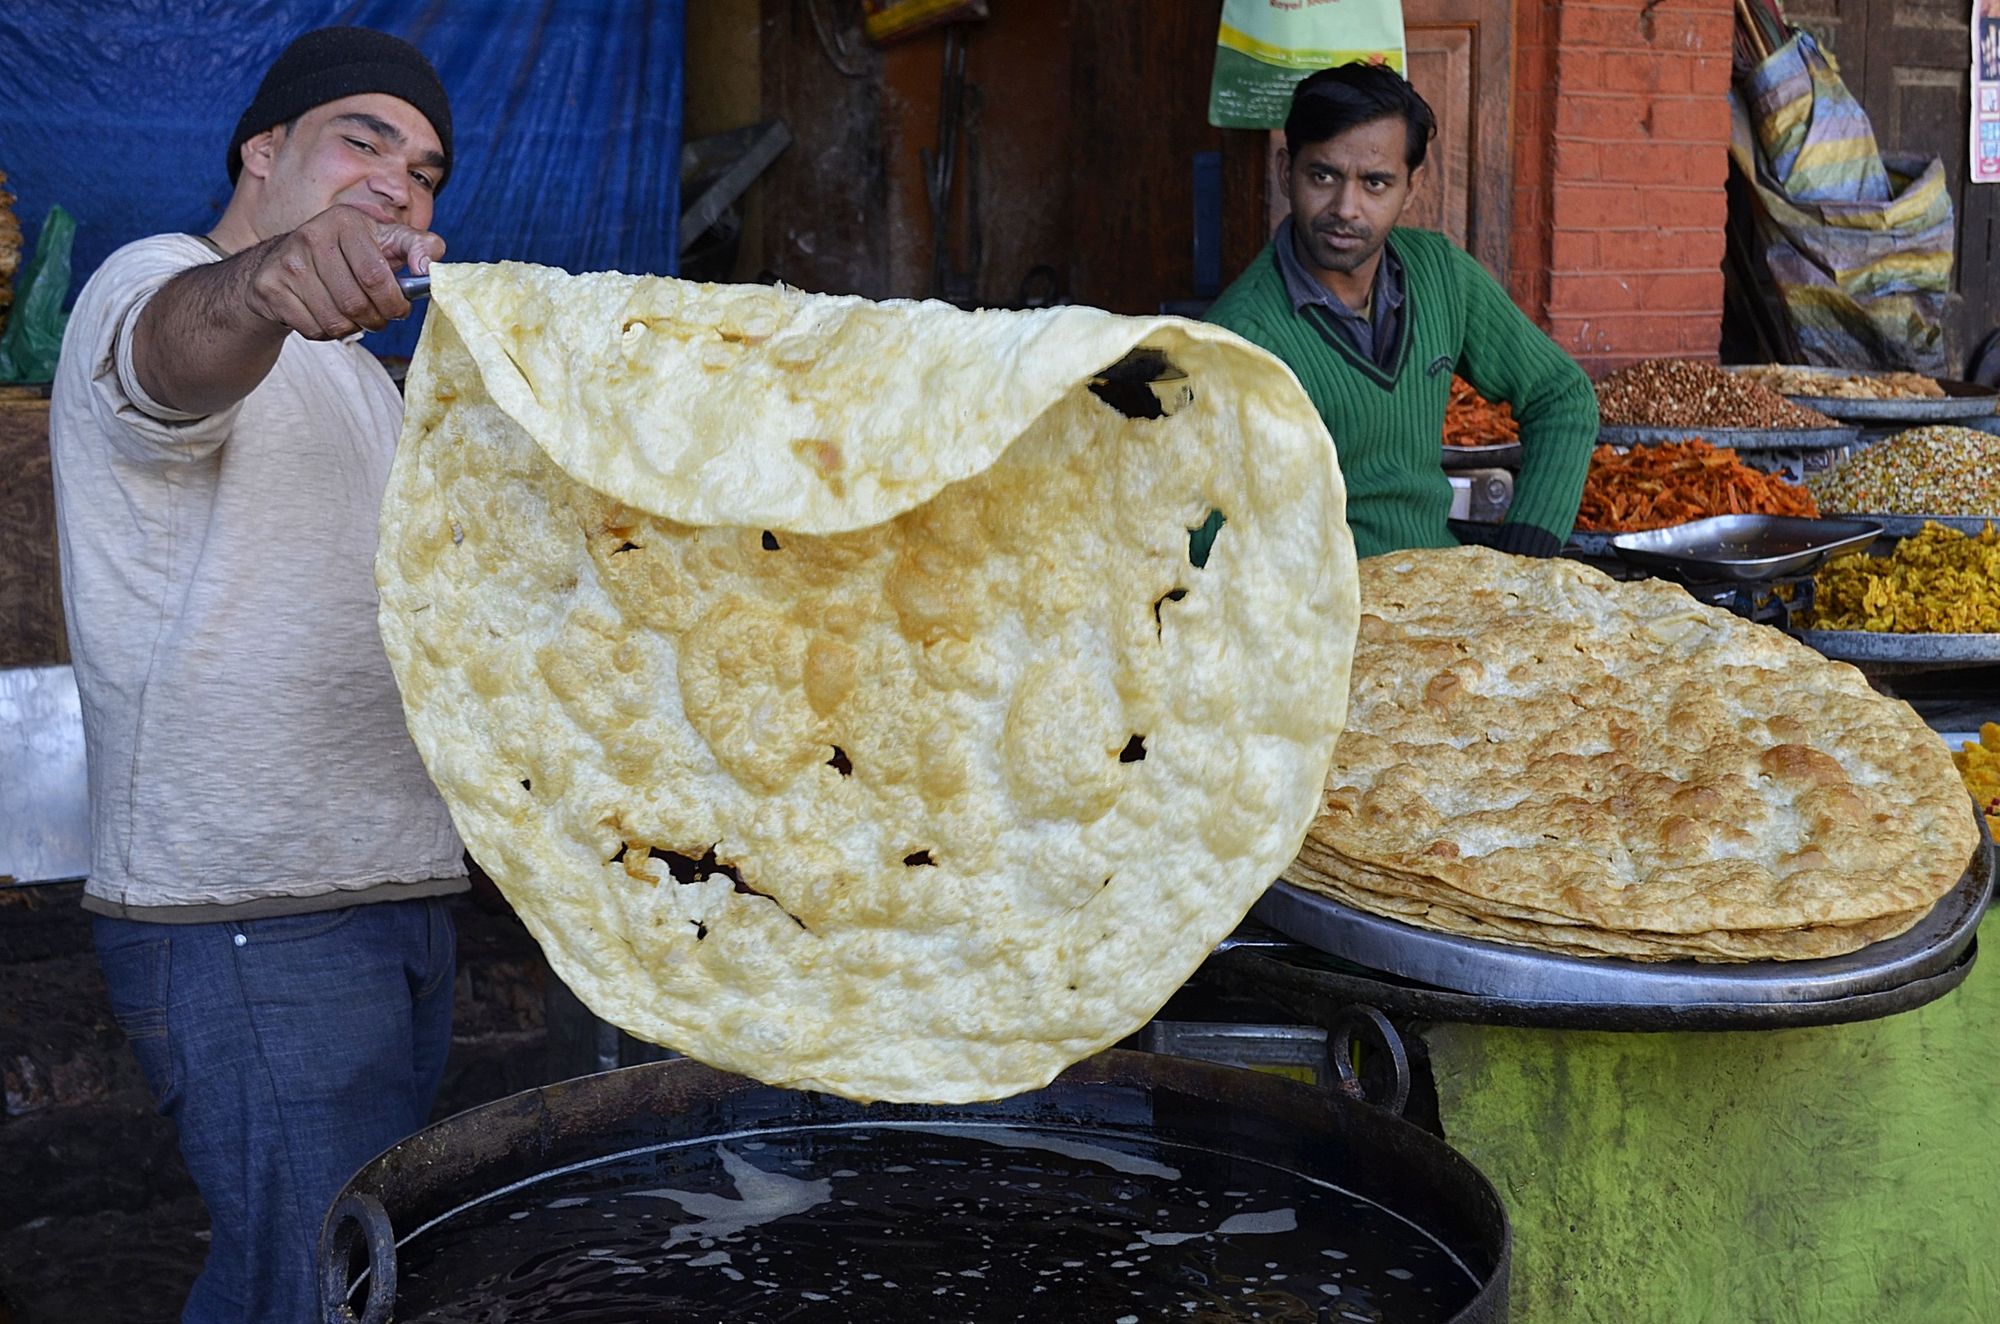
(836, 689)
(1541, 755)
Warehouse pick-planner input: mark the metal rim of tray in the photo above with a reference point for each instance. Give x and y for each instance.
(1931, 409)
(1277, 972)
(1482, 457)
(1961, 399)
(1756, 992)
(1909, 526)
(1881, 646)
(1741, 439)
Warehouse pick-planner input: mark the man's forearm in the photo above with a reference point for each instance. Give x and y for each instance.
(197, 347)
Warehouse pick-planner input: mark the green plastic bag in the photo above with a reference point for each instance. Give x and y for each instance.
(35, 328)
(1264, 47)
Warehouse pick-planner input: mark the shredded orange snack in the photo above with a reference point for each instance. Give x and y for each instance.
(1473, 420)
(1654, 487)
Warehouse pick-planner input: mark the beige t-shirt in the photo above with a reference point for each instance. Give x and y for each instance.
(245, 738)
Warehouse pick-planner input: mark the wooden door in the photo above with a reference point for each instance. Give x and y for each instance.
(1917, 87)
(1459, 59)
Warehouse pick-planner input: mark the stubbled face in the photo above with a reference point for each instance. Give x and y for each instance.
(1348, 192)
(374, 152)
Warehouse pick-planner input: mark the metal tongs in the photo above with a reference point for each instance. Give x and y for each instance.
(414, 287)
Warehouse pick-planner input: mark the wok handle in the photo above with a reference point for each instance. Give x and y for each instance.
(363, 1213)
(1386, 1056)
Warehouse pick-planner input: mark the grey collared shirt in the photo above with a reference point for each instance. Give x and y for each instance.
(1374, 336)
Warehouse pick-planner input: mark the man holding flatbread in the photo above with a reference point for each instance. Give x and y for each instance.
(1375, 319)
(269, 859)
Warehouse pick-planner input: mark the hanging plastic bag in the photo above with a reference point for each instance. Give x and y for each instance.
(34, 334)
(1265, 47)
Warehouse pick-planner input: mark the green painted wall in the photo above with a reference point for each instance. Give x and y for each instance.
(1839, 1175)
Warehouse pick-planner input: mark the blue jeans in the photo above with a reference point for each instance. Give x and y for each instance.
(288, 1052)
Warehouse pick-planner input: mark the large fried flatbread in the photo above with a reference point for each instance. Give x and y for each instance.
(1533, 745)
(828, 684)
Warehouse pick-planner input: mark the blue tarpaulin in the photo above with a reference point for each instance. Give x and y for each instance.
(566, 114)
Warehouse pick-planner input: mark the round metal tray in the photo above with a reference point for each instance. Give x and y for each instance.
(1741, 439)
(1960, 400)
(1756, 991)
(1315, 987)
(1880, 646)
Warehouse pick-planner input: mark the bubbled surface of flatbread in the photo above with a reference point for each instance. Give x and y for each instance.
(1538, 750)
(917, 785)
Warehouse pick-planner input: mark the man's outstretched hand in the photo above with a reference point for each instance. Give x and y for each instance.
(336, 274)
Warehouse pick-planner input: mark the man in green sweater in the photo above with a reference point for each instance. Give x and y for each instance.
(1374, 320)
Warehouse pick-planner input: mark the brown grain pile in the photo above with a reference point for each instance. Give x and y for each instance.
(1678, 393)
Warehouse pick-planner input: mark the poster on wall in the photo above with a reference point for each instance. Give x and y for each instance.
(1985, 136)
(1265, 47)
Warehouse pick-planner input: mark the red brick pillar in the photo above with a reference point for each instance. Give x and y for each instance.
(1621, 127)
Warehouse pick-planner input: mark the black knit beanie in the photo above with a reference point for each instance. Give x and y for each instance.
(331, 63)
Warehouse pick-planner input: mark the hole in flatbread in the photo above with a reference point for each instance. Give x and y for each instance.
(1171, 595)
(700, 929)
(1201, 538)
(1135, 384)
(617, 856)
(626, 547)
(688, 869)
(840, 763)
(918, 857)
(770, 541)
(527, 784)
(1134, 751)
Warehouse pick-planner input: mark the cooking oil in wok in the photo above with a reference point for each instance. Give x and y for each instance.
(874, 1221)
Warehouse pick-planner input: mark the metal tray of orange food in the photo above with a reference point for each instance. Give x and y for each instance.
(1740, 439)
(1752, 992)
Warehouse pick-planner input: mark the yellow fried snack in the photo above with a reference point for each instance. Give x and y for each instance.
(1979, 764)
(1539, 754)
(834, 688)
(1939, 582)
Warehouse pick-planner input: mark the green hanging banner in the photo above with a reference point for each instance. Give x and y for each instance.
(1265, 47)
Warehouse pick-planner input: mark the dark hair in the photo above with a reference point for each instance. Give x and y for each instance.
(1332, 101)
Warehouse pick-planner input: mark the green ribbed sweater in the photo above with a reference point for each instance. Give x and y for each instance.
(1387, 427)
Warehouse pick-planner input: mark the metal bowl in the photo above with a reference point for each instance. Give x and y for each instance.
(1746, 547)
